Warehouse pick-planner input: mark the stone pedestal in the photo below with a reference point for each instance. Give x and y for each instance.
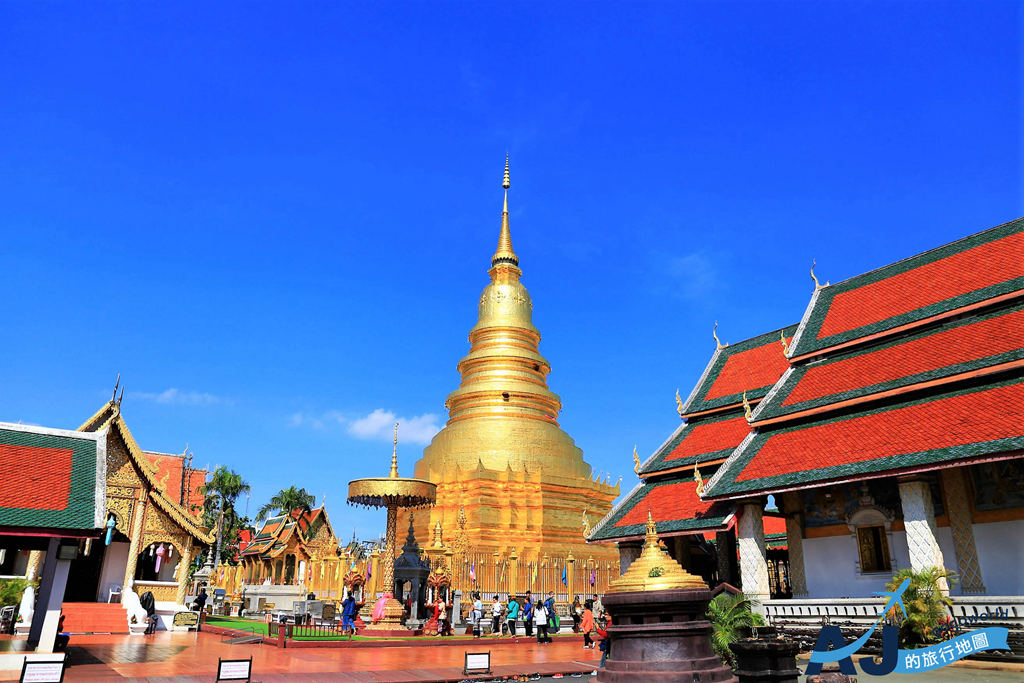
(661, 635)
(766, 661)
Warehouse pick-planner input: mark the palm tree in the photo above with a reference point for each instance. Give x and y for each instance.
(728, 614)
(925, 603)
(225, 486)
(287, 500)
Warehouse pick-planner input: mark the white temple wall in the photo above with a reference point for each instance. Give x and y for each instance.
(115, 559)
(1001, 555)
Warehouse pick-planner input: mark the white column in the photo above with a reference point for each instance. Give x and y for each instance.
(958, 509)
(51, 596)
(793, 508)
(753, 564)
(919, 522)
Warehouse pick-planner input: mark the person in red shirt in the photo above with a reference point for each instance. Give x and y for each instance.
(602, 636)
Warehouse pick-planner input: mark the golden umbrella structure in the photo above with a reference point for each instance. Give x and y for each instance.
(391, 492)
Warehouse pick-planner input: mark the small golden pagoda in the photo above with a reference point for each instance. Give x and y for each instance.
(655, 570)
(502, 458)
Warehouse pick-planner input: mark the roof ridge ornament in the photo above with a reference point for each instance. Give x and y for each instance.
(746, 407)
(113, 397)
(586, 524)
(718, 342)
(679, 404)
(699, 479)
(817, 285)
(636, 460)
(785, 344)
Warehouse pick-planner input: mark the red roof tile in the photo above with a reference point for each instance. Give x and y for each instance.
(956, 420)
(35, 478)
(949, 347)
(709, 437)
(773, 525)
(666, 503)
(750, 369)
(987, 264)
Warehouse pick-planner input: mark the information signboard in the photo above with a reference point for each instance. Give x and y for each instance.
(42, 671)
(477, 663)
(234, 669)
(186, 619)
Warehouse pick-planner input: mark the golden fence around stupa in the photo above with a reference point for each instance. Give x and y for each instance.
(489, 573)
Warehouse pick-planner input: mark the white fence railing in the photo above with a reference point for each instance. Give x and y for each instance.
(1005, 609)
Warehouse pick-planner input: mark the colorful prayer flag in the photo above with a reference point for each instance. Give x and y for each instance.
(472, 572)
(593, 577)
(565, 575)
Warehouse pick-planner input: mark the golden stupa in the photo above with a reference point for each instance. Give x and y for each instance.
(655, 569)
(501, 463)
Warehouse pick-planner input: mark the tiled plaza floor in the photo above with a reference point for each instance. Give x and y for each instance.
(190, 658)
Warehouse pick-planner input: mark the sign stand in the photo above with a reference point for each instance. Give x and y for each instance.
(477, 663)
(234, 669)
(37, 671)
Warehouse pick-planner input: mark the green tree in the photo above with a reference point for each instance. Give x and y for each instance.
(220, 494)
(925, 603)
(285, 501)
(728, 614)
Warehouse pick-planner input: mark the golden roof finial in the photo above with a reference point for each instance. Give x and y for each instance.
(785, 344)
(679, 404)
(636, 461)
(504, 252)
(394, 456)
(699, 479)
(714, 333)
(113, 398)
(817, 285)
(746, 407)
(586, 524)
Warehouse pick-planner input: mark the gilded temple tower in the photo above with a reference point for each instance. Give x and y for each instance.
(502, 457)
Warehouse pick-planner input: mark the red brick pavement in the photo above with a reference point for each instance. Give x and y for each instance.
(190, 658)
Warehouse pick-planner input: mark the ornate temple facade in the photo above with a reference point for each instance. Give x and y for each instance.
(887, 428)
(507, 476)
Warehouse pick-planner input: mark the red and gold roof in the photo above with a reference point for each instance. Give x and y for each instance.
(970, 271)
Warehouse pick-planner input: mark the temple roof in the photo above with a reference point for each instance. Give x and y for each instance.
(273, 537)
(675, 506)
(169, 468)
(699, 440)
(971, 270)
(52, 478)
(974, 345)
(750, 366)
(912, 435)
(109, 416)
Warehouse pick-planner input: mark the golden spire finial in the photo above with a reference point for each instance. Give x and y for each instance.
(785, 344)
(746, 407)
(394, 456)
(679, 404)
(636, 461)
(652, 529)
(504, 252)
(714, 333)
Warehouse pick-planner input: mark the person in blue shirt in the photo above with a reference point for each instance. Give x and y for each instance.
(513, 614)
(348, 613)
(528, 615)
(549, 607)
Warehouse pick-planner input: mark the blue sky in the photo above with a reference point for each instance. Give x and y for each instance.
(275, 221)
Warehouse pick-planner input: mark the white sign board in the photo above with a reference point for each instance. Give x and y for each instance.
(477, 662)
(42, 672)
(235, 670)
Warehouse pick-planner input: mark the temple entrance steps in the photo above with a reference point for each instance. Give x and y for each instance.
(94, 617)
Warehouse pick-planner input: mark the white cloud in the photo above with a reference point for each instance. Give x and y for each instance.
(694, 275)
(379, 424)
(175, 396)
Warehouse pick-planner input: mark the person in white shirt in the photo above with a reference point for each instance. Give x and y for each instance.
(540, 622)
(478, 614)
(496, 611)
